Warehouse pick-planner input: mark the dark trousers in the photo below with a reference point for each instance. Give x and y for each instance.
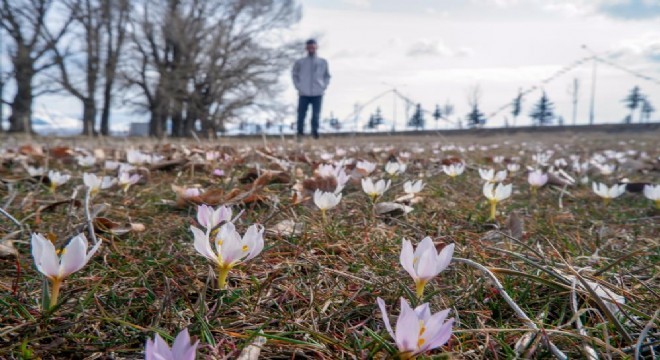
(303, 104)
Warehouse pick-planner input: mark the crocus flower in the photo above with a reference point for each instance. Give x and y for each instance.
(47, 260)
(36, 171)
(219, 172)
(424, 263)
(374, 190)
(125, 180)
(413, 188)
(453, 170)
(56, 179)
(86, 161)
(326, 201)
(210, 218)
(95, 183)
(490, 176)
(417, 330)
(365, 167)
(231, 249)
(395, 168)
(608, 193)
(652, 192)
(495, 195)
(182, 349)
(111, 165)
(537, 179)
(513, 167)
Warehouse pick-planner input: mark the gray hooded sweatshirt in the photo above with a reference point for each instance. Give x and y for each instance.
(311, 76)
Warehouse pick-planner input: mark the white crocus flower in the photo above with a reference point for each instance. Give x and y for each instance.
(490, 176)
(513, 167)
(230, 248)
(652, 192)
(56, 179)
(96, 184)
(395, 168)
(57, 268)
(608, 193)
(36, 171)
(454, 170)
(365, 167)
(374, 190)
(495, 195)
(413, 188)
(125, 180)
(326, 201)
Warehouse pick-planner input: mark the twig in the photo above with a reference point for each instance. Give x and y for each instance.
(642, 335)
(591, 353)
(13, 219)
(90, 224)
(521, 314)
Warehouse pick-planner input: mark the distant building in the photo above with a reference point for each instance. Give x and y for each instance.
(139, 129)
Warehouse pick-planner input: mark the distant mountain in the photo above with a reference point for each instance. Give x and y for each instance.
(56, 124)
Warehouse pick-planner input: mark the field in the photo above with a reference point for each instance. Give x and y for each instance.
(557, 273)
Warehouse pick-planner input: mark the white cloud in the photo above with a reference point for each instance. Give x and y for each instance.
(646, 46)
(358, 3)
(426, 47)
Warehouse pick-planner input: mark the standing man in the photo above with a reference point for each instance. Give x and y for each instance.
(311, 77)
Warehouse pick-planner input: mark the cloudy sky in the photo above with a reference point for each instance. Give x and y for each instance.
(435, 51)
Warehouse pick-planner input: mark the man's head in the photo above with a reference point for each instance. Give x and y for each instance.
(311, 46)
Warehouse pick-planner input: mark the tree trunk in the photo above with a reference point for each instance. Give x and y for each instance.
(89, 117)
(105, 112)
(20, 119)
(177, 119)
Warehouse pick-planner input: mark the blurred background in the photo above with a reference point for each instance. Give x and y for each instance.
(223, 67)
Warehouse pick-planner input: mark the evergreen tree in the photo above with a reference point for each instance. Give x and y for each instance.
(375, 119)
(437, 115)
(475, 117)
(417, 120)
(633, 101)
(516, 106)
(543, 111)
(647, 110)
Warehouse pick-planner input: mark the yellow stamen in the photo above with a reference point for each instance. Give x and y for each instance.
(245, 248)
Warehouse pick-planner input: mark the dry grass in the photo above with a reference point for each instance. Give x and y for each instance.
(313, 294)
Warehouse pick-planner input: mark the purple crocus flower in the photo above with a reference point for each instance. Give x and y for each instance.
(182, 349)
(417, 330)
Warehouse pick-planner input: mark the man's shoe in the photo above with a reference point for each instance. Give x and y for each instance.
(315, 136)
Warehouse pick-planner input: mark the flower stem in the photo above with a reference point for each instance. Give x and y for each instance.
(493, 210)
(657, 204)
(419, 288)
(223, 271)
(55, 291)
(325, 221)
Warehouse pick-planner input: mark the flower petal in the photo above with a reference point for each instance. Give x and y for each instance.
(386, 319)
(202, 245)
(74, 257)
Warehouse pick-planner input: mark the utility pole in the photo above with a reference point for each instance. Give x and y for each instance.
(593, 91)
(576, 85)
(394, 110)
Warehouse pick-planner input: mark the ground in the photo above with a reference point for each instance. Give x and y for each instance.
(312, 291)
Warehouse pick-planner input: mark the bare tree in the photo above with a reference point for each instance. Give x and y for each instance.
(27, 23)
(94, 22)
(114, 15)
(205, 61)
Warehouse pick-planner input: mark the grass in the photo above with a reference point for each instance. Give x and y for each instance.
(312, 295)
